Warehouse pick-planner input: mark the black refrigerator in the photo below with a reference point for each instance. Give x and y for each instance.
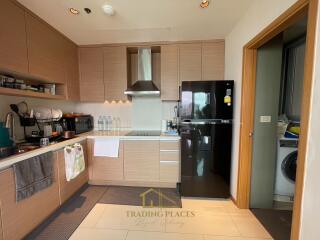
(206, 113)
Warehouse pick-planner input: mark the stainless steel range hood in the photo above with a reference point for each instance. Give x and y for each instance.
(144, 86)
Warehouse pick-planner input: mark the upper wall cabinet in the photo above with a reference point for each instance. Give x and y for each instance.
(45, 51)
(115, 72)
(91, 74)
(190, 62)
(13, 45)
(72, 71)
(169, 73)
(213, 60)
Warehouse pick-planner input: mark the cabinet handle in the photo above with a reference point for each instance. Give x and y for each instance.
(170, 162)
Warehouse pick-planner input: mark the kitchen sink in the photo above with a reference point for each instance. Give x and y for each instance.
(26, 147)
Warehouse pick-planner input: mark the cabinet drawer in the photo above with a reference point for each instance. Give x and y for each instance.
(169, 171)
(170, 145)
(170, 156)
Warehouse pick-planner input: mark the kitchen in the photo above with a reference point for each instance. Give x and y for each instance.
(113, 117)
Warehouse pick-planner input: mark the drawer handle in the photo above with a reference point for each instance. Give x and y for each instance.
(169, 150)
(169, 162)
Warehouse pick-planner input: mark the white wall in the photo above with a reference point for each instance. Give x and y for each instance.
(311, 195)
(143, 113)
(140, 114)
(259, 15)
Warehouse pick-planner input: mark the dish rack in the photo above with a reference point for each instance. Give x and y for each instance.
(40, 123)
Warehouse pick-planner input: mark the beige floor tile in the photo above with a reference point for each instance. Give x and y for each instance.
(202, 222)
(250, 227)
(210, 237)
(93, 217)
(98, 234)
(195, 203)
(140, 235)
(131, 218)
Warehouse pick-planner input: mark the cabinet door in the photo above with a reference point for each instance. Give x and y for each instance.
(46, 56)
(190, 62)
(115, 73)
(20, 218)
(13, 38)
(106, 168)
(67, 189)
(141, 160)
(169, 73)
(213, 61)
(72, 72)
(91, 75)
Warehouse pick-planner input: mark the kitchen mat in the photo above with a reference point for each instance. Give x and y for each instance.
(62, 223)
(142, 196)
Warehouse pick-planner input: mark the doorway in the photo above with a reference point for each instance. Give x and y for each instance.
(277, 114)
(300, 10)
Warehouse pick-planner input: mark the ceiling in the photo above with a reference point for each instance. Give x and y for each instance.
(140, 20)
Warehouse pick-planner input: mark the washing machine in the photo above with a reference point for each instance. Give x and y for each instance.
(286, 169)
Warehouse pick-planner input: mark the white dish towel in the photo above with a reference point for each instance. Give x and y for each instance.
(74, 161)
(106, 147)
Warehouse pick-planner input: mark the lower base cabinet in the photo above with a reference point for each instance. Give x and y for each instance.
(20, 218)
(141, 160)
(67, 189)
(105, 168)
(143, 163)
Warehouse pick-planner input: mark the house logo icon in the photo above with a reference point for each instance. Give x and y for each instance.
(156, 199)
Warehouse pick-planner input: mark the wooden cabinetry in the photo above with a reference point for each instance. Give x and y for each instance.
(115, 73)
(45, 51)
(213, 60)
(141, 160)
(190, 62)
(91, 74)
(72, 71)
(106, 168)
(67, 189)
(19, 218)
(13, 45)
(170, 73)
(169, 161)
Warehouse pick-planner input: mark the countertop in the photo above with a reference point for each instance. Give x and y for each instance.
(9, 161)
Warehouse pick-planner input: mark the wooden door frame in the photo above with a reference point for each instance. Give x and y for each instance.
(296, 12)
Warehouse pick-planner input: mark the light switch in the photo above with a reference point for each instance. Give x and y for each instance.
(265, 119)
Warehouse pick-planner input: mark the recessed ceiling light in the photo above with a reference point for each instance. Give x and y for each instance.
(74, 11)
(87, 10)
(108, 9)
(204, 3)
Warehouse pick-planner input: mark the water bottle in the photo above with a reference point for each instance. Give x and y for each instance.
(109, 123)
(105, 123)
(100, 123)
(118, 124)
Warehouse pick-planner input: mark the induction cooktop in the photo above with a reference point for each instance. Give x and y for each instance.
(144, 133)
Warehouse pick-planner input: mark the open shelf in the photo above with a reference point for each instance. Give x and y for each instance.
(26, 93)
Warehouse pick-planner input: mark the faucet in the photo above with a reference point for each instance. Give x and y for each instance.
(10, 123)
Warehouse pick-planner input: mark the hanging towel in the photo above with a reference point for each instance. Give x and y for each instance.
(33, 175)
(106, 147)
(74, 161)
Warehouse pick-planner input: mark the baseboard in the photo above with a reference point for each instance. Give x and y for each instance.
(133, 183)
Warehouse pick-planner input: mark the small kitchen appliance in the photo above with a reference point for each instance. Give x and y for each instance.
(77, 123)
